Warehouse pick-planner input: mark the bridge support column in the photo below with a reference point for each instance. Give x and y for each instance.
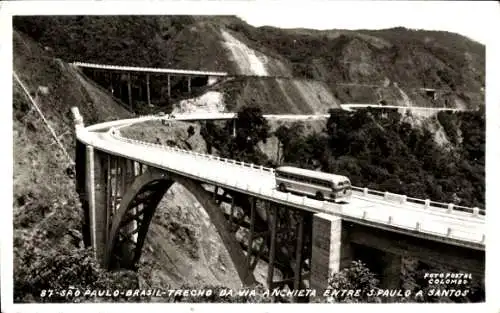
(81, 169)
(97, 199)
(234, 127)
(168, 86)
(251, 232)
(391, 274)
(189, 85)
(129, 86)
(109, 79)
(129, 172)
(331, 251)
(272, 249)
(147, 89)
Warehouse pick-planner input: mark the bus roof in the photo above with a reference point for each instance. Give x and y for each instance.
(311, 173)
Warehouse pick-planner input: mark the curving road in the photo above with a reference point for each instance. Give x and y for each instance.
(432, 222)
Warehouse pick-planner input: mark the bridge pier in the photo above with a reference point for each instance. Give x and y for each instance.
(129, 89)
(147, 90)
(391, 273)
(131, 228)
(102, 181)
(331, 251)
(81, 189)
(96, 172)
(168, 86)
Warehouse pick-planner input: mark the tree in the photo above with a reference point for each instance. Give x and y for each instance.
(251, 127)
(355, 277)
(41, 265)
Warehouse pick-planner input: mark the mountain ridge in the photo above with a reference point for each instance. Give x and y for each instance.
(412, 60)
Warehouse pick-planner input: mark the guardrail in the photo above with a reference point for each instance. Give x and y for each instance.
(425, 204)
(357, 215)
(261, 168)
(386, 196)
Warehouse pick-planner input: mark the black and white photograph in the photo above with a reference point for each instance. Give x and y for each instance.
(274, 153)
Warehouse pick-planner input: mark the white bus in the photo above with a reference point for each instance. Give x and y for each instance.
(322, 186)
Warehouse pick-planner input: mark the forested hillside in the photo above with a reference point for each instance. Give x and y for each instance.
(378, 149)
(383, 151)
(327, 67)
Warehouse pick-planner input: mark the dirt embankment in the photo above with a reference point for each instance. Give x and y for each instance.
(276, 90)
(270, 85)
(209, 102)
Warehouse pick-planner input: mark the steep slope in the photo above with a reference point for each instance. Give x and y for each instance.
(413, 59)
(47, 213)
(56, 87)
(275, 95)
(393, 65)
(46, 209)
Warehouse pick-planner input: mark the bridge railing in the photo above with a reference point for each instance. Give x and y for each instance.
(421, 203)
(373, 216)
(385, 217)
(116, 135)
(383, 196)
(148, 69)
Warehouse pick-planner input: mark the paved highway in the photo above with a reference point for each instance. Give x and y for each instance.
(431, 223)
(349, 106)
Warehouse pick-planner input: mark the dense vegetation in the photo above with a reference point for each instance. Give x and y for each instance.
(443, 60)
(126, 39)
(377, 149)
(251, 128)
(382, 151)
(413, 59)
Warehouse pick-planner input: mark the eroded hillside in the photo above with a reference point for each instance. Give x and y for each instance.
(299, 71)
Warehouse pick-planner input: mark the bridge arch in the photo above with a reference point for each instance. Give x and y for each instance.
(138, 206)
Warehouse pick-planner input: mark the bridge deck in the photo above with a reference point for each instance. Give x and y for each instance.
(378, 106)
(406, 218)
(148, 69)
